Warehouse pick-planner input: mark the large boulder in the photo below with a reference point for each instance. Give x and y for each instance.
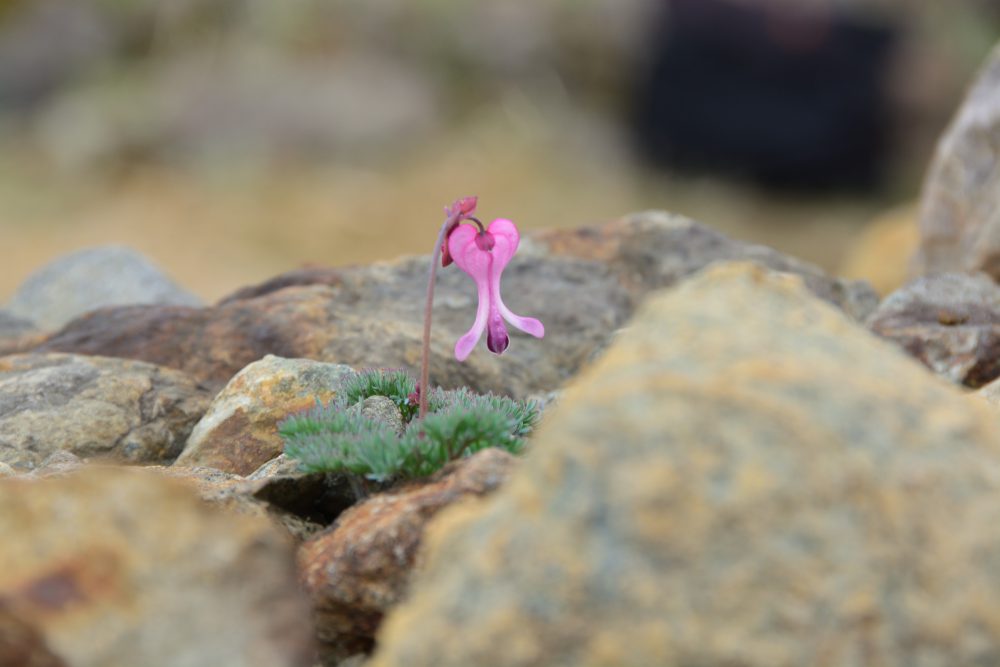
(88, 279)
(745, 477)
(124, 567)
(960, 206)
(583, 284)
(94, 407)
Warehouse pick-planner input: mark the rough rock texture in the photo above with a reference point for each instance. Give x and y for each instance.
(583, 284)
(90, 279)
(960, 205)
(113, 409)
(799, 493)
(318, 498)
(123, 567)
(949, 321)
(359, 568)
(239, 432)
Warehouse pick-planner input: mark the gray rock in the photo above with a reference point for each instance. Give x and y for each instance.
(382, 410)
(960, 203)
(91, 279)
(12, 326)
(950, 322)
(116, 567)
(746, 477)
(111, 409)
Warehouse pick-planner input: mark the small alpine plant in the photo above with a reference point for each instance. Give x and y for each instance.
(439, 426)
(339, 438)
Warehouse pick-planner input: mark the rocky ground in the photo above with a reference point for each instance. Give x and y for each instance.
(749, 462)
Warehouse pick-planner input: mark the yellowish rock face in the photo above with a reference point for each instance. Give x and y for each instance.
(745, 477)
(123, 567)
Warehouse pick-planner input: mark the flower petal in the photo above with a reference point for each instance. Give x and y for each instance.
(528, 325)
(505, 241)
(463, 250)
(467, 343)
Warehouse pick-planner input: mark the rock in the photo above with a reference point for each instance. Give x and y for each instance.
(383, 410)
(316, 497)
(950, 322)
(654, 249)
(359, 568)
(315, 275)
(960, 205)
(89, 279)
(12, 326)
(990, 392)
(22, 646)
(746, 477)
(583, 284)
(94, 407)
(122, 567)
(883, 251)
(17, 334)
(239, 433)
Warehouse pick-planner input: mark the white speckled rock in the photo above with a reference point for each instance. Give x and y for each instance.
(239, 432)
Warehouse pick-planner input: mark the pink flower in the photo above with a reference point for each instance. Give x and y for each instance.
(483, 254)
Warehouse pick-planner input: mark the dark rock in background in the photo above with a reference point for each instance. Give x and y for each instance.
(795, 99)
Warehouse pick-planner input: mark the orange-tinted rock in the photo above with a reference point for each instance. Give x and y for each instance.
(882, 252)
(118, 567)
(359, 568)
(239, 432)
(21, 645)
(746, 477)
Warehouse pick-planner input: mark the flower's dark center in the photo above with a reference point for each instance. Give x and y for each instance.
(484, 240)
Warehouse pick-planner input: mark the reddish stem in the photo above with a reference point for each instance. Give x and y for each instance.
(425, 358)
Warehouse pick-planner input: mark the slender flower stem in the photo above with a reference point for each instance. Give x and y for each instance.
(425, 359)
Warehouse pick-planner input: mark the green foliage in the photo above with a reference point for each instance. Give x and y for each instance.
(338, 438)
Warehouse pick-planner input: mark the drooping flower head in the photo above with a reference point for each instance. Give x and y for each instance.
(461, 209)
(483, 253)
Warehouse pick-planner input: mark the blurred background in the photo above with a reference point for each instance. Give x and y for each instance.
(230, 140)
